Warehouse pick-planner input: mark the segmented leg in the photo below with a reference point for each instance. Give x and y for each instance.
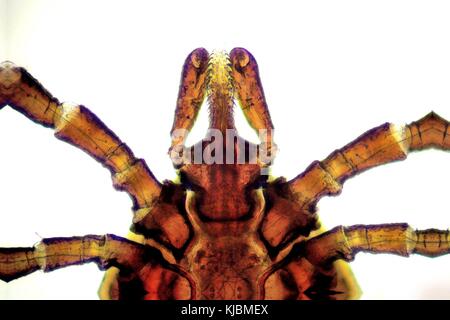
(400, 239)
(316, 269)
(378, 146)
(293, 202)
(55, 253)
(81, 128)
(142, 272)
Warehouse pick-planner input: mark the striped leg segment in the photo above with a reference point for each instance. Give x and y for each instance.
(318, 268)
(294, 201)
(25, 94)
(55, 253)
(381, 145)
(81, 128)
(400, 239)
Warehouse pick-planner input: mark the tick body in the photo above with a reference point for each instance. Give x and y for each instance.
(225, 229)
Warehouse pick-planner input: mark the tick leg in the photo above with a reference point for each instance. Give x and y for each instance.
(250, 95)
(400, 239)
(317, 265)
(142, 263)
(55, 253)
(190, 96)
(81, 128)
(381, 145)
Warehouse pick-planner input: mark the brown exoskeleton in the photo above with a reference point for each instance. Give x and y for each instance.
(225, 230)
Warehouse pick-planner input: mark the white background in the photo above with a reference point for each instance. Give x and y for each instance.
(331, 70)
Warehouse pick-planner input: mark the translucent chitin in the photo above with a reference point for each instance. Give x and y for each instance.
(226, 230)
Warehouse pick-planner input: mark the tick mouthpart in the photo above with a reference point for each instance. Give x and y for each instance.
(199, 57)
(220, 91)
(240, 56)
(219, 75)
